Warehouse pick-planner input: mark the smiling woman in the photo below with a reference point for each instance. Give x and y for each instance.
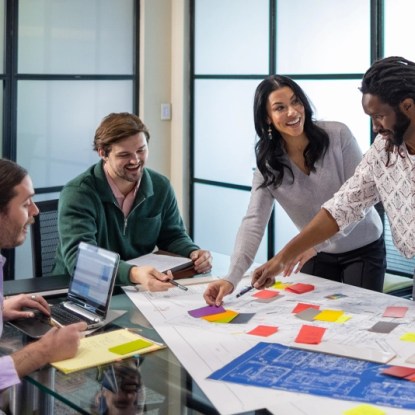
(301, 164)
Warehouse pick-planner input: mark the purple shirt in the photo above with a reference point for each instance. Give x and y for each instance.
(8, 374)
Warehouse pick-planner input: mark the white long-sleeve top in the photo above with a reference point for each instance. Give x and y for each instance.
(302, 199)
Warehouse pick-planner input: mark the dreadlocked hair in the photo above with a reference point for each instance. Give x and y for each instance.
(269, 149)
(392, 79)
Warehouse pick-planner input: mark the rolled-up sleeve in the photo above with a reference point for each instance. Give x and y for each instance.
(357, 194)
(8, 374)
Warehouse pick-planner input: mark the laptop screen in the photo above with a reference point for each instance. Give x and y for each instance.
(94, 277)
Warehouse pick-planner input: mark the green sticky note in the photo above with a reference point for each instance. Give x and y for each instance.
(130, 346)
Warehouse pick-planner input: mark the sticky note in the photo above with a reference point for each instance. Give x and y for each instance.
(364, 409)
(395, 312)
(310, 334)
(130, 346)
(383, 327)
(408, 337)
(300, 288)
(303, 306)
(265, 294)
(264, 331)
(206, 311)
(329, 315)
(279, 285)
(224, 317)
(398, 371)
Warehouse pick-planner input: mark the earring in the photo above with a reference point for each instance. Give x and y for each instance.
(269, 132)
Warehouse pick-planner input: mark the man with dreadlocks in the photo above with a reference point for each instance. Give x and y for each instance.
(386, 173)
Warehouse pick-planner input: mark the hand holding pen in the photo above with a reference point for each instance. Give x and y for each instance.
(245, 290)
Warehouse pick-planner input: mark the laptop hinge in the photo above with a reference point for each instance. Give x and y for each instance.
(79, 310)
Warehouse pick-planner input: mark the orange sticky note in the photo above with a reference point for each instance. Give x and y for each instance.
(310, 334)
(224, 317)
(263, 331)
(265, 294)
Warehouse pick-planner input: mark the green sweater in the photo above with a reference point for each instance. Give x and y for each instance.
(88, 212)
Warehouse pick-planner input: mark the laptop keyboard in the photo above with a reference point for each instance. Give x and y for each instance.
(65, 317)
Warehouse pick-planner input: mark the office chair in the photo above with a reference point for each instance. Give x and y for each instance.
(44, 237)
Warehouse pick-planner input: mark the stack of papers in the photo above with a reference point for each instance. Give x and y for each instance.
(162, 263)
(106, 348)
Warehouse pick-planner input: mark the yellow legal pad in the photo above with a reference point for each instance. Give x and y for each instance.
(106, 348)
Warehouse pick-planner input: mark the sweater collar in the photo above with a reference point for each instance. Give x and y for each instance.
(144, 191)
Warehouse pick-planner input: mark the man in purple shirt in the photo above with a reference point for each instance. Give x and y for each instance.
(16, 214)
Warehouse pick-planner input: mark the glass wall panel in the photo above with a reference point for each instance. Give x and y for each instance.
(56, 145)
(2, 35)
(323, 36)
(218, 213)
(76, 36)
(231, 36)
(224, 130)
(399, 21)
(340, 100)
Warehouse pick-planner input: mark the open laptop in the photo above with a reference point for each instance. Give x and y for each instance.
(89, 294)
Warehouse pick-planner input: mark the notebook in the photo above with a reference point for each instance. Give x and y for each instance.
(89, 293)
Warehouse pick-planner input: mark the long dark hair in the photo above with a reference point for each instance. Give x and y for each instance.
(11, 174)
(270, 153)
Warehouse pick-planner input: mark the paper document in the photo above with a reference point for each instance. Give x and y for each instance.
(162, 263)
(95, 350)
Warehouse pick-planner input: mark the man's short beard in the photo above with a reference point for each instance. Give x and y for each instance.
(399, 129)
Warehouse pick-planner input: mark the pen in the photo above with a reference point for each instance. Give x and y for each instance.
(182, 287)
(244, 291)
(55, 323)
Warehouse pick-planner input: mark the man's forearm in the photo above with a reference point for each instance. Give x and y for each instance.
(320, 228)
(30, 358)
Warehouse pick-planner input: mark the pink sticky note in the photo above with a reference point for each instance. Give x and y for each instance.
(303, 306)
(395, 311)
(310, 334)
(263, 331)
(300, 288)
(265, 294)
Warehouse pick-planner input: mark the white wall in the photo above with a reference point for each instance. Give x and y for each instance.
(164, 79)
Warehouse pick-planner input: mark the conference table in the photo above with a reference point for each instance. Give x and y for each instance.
(169, 382)
(163, 381)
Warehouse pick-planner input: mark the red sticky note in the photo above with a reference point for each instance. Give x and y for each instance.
(303, 306)
(395, 311)
(265, 294)
(398, 371)
(310, 334)
(300, 288)
(263, 331)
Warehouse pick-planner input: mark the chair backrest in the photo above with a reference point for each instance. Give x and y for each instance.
(45, 237)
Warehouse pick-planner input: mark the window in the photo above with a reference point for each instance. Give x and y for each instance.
(326, 48)
(68, 64)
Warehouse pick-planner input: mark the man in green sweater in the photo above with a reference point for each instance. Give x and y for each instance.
(120, 205)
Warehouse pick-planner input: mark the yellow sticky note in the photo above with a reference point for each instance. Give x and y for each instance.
(408, 337)
(329, 315)
(279, 285)
(364, 409)
(129, 347)
(343, 318)
(224, 317)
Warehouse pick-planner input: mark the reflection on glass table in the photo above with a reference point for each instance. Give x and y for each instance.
(161, 385)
